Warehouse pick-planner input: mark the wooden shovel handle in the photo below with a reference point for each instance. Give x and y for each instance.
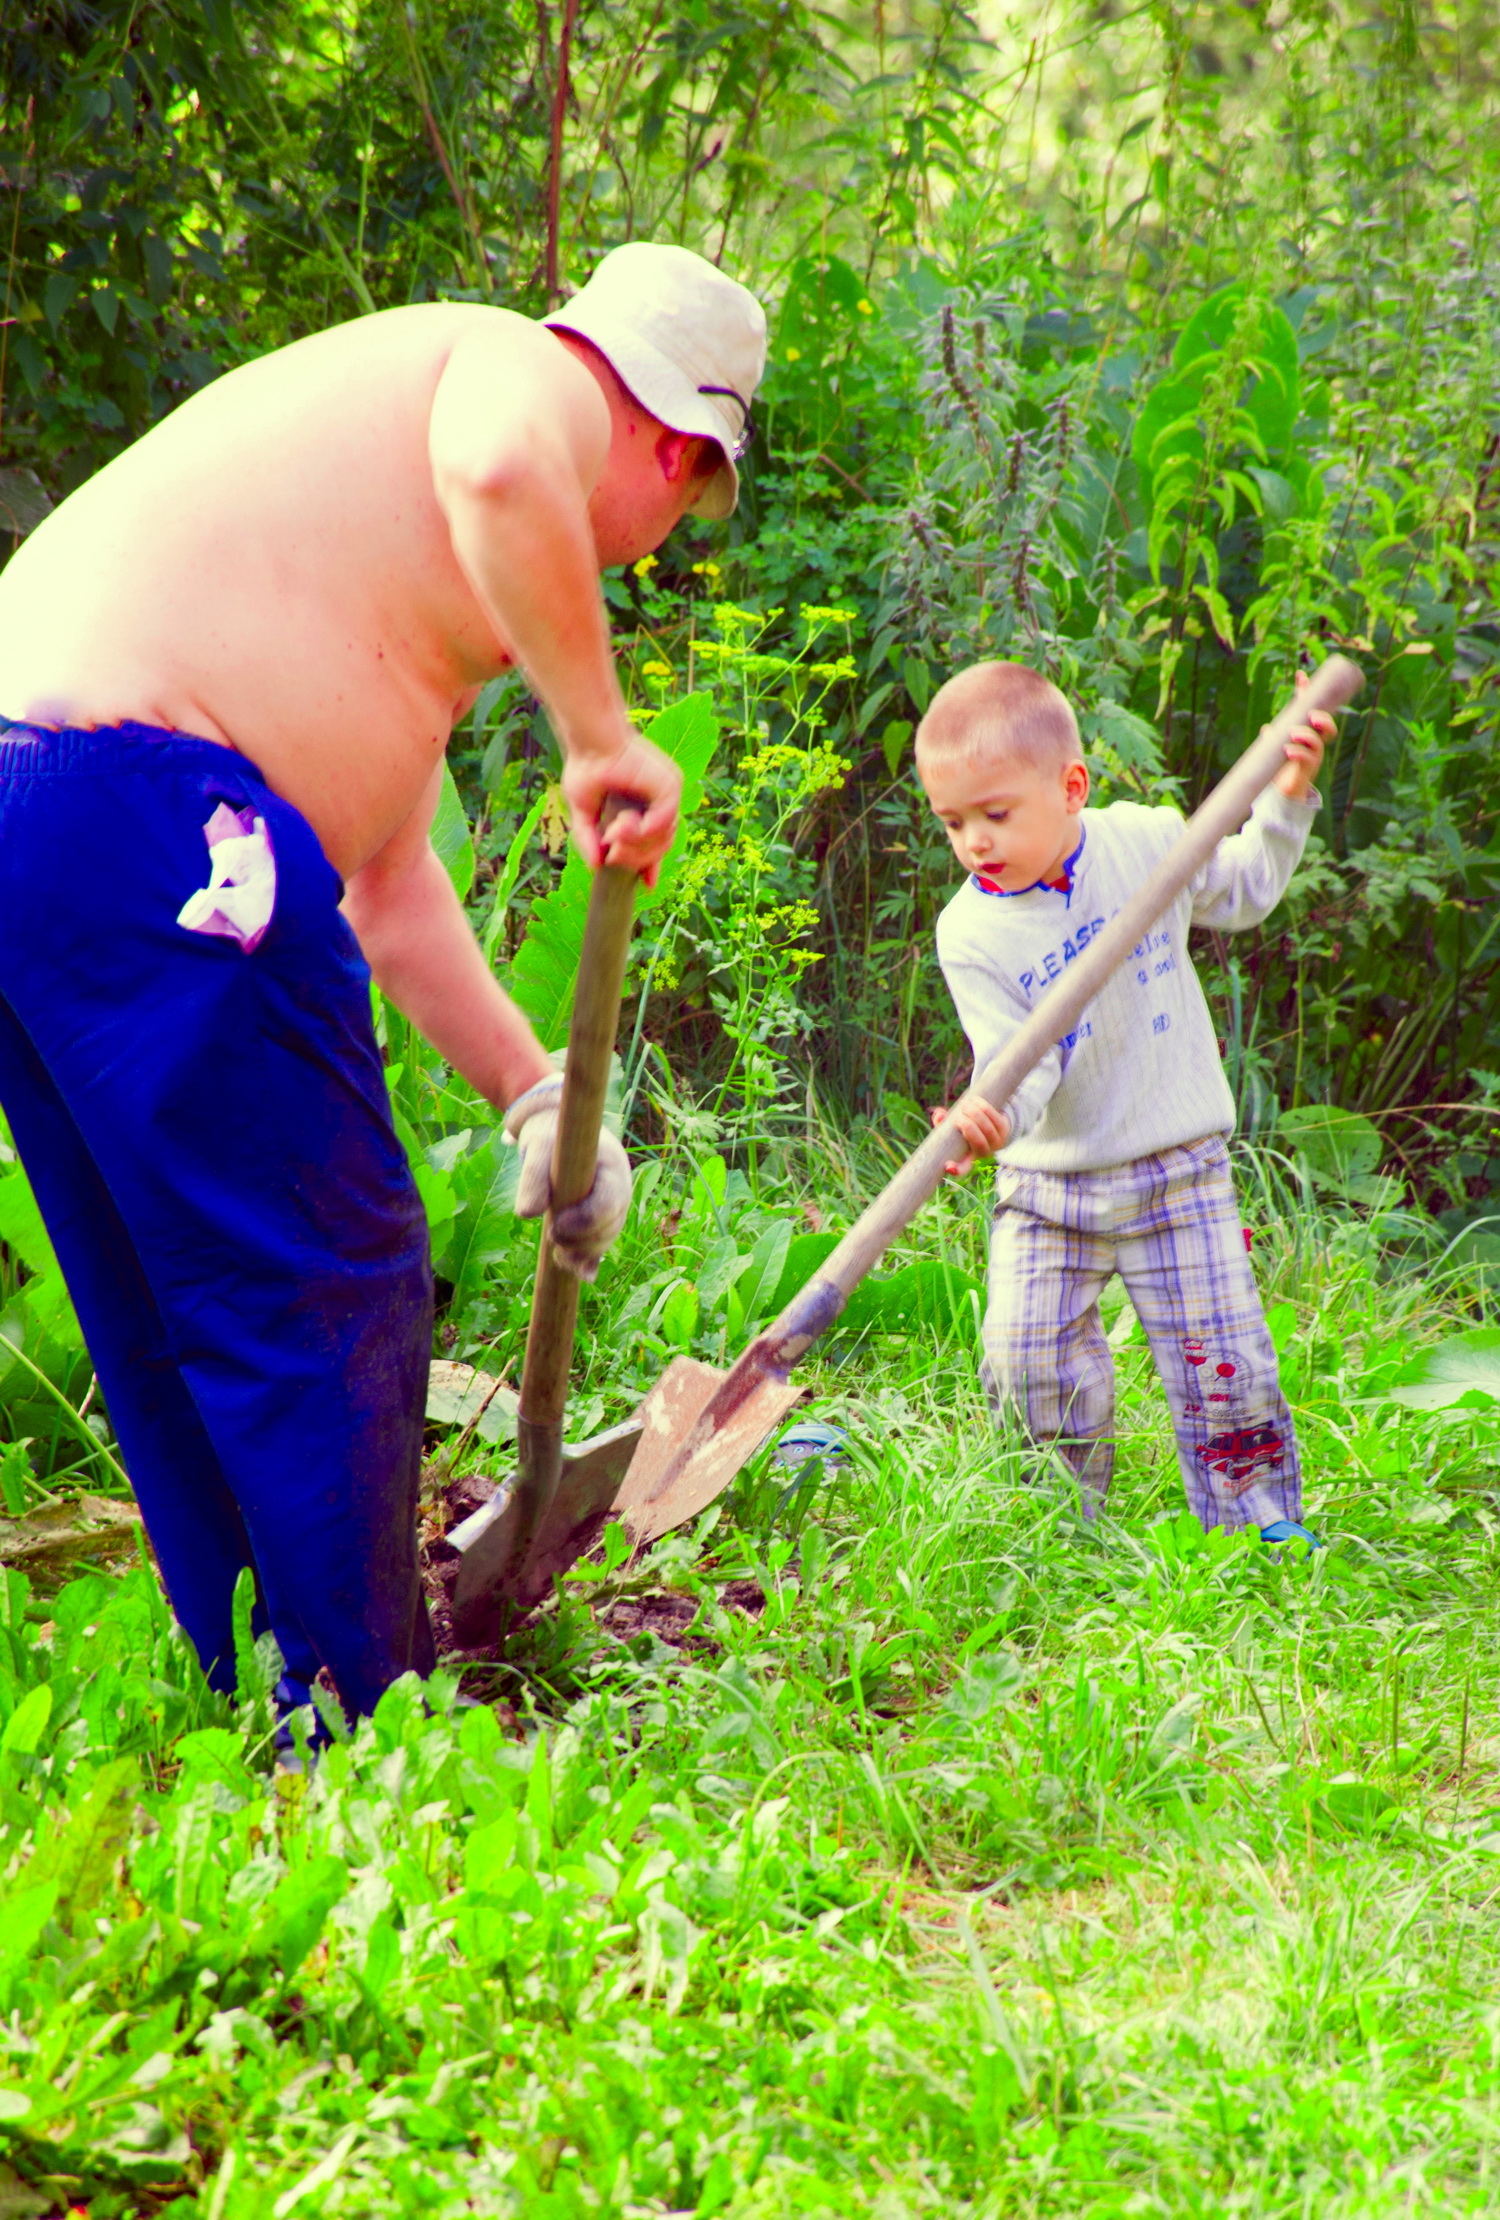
(1335, 683)
(591, 1041)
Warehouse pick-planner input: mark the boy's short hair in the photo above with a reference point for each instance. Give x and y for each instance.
(1001, 709)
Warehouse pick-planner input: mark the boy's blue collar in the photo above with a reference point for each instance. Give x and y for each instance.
(1062, 885)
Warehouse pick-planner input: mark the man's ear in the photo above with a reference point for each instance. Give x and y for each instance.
(1076, 785)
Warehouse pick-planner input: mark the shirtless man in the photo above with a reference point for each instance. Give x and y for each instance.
(245, 644)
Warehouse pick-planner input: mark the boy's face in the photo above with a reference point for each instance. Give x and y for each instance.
(1005, 819)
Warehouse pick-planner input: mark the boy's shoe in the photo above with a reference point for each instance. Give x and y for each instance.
(806, 1438)
(1288, 1530)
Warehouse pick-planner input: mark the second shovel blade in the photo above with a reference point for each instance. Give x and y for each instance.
(668, 1417)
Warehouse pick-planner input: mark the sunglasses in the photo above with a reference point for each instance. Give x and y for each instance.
(741, 447)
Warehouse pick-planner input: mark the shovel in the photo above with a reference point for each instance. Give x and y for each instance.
(699, 1425)
(509, 1548)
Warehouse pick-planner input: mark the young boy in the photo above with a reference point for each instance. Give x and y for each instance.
(1115, 1157)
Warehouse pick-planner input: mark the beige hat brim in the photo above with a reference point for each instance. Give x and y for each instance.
(661, 388)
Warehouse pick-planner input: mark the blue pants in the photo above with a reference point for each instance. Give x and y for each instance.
(209, 1138)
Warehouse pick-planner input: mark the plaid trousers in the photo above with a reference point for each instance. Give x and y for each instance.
(1170, 1226)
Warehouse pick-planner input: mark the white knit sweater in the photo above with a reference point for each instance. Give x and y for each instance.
(1141, 1072)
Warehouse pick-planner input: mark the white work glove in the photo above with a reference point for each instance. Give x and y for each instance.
(582, 1232)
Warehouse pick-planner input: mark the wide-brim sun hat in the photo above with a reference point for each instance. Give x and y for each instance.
(688, 342)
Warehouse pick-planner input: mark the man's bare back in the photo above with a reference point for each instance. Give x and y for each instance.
(271, 567)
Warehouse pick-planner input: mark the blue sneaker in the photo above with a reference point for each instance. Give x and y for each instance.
(1287, 1530)
(806, 1438)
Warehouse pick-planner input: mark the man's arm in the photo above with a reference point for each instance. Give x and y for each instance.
(518, 439)
(417, 941)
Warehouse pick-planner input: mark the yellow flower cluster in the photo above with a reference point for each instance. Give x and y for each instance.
(791, 919)
(710, 858)
(777, 927)
(818, 769)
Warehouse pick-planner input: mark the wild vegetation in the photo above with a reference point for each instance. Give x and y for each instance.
(893, 1843)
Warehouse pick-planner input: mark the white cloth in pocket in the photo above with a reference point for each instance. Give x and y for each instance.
(240, 896)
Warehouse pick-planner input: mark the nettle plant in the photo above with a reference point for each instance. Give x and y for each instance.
(1009, 542)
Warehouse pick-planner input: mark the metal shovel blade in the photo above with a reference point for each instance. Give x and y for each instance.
(489, 1541)
(657, 1471)
(699, 1425)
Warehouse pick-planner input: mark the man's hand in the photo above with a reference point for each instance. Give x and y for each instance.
(584, 1230)
(983, 1127)
(1304, 751)
(637, 838)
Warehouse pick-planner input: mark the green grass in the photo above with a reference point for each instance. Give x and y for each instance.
(995, 1866)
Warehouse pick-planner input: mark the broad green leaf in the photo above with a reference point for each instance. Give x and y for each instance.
(918, 682)
(926, 1297)
(762, 1274)
(1338, 1146)
(1281, 1324)
(297, 1911)
(1462, 1370)
(1279, 496)
(80, 1856)
(1218, 610)
(382, 1958)
(679, 1315)
(27, 1912)
(192, 1846)
(15, 1471)
(510, 871)
(439, 1196)
(1357, 1807)
(28, 1722)
(1169, 427)
(668, 1940)
(486, 1229)
(457, 1395)
(710, 1186)
(805, 1252)
(721, 1267)
(21, 1226)
(451, 837)
(214, 1754)
(893, 744)
(546, 965)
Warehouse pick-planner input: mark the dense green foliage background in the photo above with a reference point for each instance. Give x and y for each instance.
(1158, 347)
(891, 1844)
